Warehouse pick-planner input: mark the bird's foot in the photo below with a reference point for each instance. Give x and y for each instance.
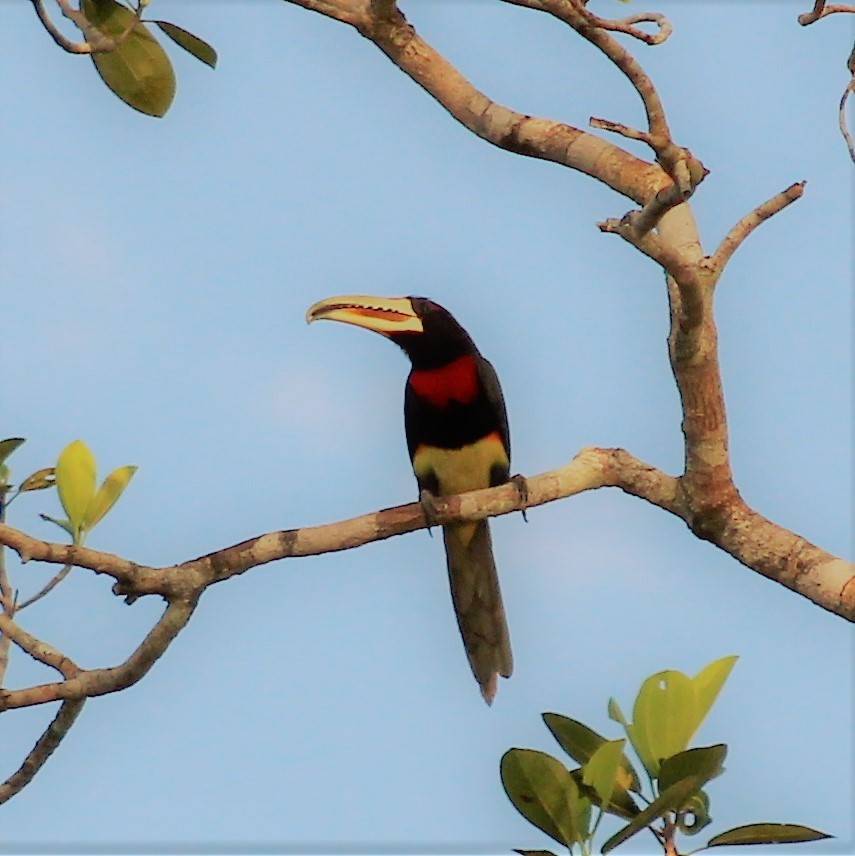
(519, 482)
(427, 502)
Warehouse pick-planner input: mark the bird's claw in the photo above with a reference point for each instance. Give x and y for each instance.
(519, 482)
(427, 502)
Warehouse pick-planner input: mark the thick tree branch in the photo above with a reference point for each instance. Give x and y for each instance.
(775, 550)
(498, 125)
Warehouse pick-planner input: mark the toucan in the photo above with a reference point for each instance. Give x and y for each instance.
(457, 436)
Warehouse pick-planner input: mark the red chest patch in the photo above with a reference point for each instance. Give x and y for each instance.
(457, 381)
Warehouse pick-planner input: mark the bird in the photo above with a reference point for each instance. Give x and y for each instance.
(458, 440)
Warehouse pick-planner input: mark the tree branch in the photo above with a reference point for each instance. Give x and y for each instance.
(773, 553)
(65, 43)
(94, 682)
(38, 650)
(43, 749)
(820, 10)
(750, 222)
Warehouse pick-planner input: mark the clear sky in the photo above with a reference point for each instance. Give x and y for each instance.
(156, 275)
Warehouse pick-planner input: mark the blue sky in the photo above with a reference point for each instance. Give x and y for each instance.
(155, 280)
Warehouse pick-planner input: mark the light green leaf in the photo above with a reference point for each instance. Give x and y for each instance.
(707, 684)
(138, 70)
(663, 717)
(63, 524)
(543, 792)
(581, 742)
(192, 44)
(75, 481)
(704, 763)
(113, 487)
(602, 770)
(668, 801)
(39, 480)
(767, 833)
(621, 803)
(8, 446)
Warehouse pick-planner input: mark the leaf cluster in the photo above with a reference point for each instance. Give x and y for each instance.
(74, 477)
(136, 68)
(668, 710)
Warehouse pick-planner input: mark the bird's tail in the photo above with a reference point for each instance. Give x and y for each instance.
(478, 603)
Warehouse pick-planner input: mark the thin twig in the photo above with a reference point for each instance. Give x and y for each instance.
(618, 128)
(841, 112)
(65, 43)
(48, 588)
(749, 223)
(37, 649)
(625, 25)
(574, 13)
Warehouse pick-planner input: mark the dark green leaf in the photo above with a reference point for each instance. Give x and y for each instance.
(192, 44)
(39, 480)
(534, 852)
(704, 763)
(543, 792)
(9, 446)
(767, 833)
(669, 800)
(580, 743)
(138, 70)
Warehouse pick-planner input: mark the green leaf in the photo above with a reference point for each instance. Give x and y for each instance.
(669, 800)
(581, 742)
(602, 771)
(8, 446)
(534, 852)
(138, 70)
(63, 524)
(543, 792)
(39, 480)
(663, 717)
(75, 481)
(192, 44)
(707, 684)
(704, 763)
(621, 803)
(615, 713)
(113, 487)
(698, 806)
(767, 833)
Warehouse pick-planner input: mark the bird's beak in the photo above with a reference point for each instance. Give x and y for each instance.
(385, 315)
